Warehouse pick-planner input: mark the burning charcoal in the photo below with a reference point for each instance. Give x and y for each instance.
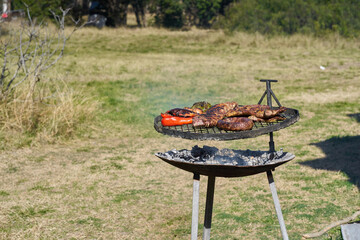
(220, 160)
(196, 151)
(241, 161)
(210, 150)
(214, 156)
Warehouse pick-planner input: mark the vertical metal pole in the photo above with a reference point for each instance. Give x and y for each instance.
(268, 87)
(209, 207)
(269, 103)
(277, 205)
(195, 208)
(271, 142)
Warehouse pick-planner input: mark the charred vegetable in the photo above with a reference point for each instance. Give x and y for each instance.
(204, 106)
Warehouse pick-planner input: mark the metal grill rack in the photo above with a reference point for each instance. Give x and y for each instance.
(213, 133)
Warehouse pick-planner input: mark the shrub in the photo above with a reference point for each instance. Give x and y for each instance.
(293, 16)
(38, 9)
(169, 13)
(201, 12)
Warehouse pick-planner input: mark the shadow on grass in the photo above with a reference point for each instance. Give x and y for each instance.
(342, 154)
(356, 116)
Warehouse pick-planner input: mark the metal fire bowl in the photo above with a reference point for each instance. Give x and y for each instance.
(189, 132)
(218, 170)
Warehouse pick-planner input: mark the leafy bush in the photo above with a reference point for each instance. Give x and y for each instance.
(169, 13)
(175, 14)
(201, 12)
(39, 9)
(293, 16)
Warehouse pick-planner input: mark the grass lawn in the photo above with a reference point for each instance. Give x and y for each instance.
(107, 184)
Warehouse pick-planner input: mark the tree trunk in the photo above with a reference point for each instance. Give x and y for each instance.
(6, 6)
(139, 10)
(142, 13)
(116, 12)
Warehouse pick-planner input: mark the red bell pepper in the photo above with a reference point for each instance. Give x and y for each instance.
(175, 121)
(166, 115)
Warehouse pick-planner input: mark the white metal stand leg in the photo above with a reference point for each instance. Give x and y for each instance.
(277, 205)
(195, 207)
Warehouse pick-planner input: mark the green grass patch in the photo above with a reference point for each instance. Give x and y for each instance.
(30, 212)
(4, 193)
(92, 221)
(131, 196)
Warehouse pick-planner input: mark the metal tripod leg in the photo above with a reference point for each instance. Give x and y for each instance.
(209, 207)
(277, 205)
(195, 208)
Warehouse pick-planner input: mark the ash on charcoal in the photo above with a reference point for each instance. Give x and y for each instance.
(213, 155)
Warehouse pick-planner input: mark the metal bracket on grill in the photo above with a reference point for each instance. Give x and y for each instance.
(268, 93)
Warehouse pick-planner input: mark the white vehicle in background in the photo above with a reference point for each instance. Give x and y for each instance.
(7, 14)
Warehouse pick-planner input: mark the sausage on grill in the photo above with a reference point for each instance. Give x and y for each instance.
(235, 124)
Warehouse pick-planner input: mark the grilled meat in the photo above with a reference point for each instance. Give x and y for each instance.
(236, 117)
(213, 114)
(247, 110)
(273, 119)
(182, 112)
(270, 113)
(196, 110)
(204, 120)
(221, 109)
(259, 111)
(256, 119)
(235, 124)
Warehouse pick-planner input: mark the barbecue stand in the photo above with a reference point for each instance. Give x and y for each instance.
(213, 170)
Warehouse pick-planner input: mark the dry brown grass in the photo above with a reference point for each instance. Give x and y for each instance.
(56, 113)
(36, 105)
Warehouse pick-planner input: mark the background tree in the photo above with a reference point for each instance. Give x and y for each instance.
(79, 8)
(168, 13)
(317, 17)
(207, 10)
(38, 9)
(139, 7)
(116, 12)
(224, 5)
(191, 12)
